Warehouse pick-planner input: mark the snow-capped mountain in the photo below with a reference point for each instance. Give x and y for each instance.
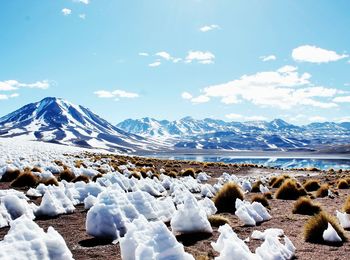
(253, 135)
(59, 121)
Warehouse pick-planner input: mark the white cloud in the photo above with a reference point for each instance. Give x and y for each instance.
(66, 11)
(268, 58)
(116, 94)
(200, 99)
(284, 88)
(205, 57)
(238, 117)
(315, 54)
(145, 54)
(5, 97)
(82, 16)
(82, 1)
(343, 99)
(207, 28)
(155, 64)
(9, 85)
(195, 100)
(343, 119)
(164, 55)
(186, 95)
(317, 119)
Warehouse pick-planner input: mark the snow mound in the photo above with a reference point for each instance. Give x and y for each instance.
(230, 246)
(344, 219)
(55, 202)
(251, 213)
(330, 235)
(26, 240)
(275, 232)
(114, 208)
(190, 218)
(150, 240)
(12, 207)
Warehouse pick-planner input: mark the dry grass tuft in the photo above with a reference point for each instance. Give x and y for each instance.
(217, 220)
(226, 197)
(172, 174)
(10, 175)
(317, 224)
(322, 191)
(49, 181)
(268, 195)
(278, 181)
(256, 186)
(99, 175)
(342, 184)
(346, 206)
(289, 191)
(312, 185)
(83, 178)
(189, 172)
(262, 199)
(136, 175)
(67, 175)
(25, 179)
(305, 206)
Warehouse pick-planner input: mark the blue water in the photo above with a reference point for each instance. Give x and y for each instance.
(285, 163)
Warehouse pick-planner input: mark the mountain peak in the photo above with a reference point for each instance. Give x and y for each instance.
(57, 120)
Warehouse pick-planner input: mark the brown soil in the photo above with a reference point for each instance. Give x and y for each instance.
(83, 246)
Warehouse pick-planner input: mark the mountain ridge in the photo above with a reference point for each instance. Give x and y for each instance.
(57, 120)
(210, 133)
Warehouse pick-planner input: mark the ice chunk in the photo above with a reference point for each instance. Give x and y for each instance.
(344, 219)
(150, 240)
(330, 235)
(190, 218)
(26, 240)
(250, 214)
(275, 232)
(16, 207)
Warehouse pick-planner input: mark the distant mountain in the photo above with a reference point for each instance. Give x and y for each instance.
(59, 121)
(277, 135)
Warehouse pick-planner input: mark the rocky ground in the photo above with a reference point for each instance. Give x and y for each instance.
(72, 226)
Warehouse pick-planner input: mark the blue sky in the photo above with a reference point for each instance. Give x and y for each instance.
(232, 60)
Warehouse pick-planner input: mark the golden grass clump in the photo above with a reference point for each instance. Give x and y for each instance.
(189, 172)
(261, 199)
(256, 186)
(49, 181)
(289, 190)
(268, 195)
(317, 224)
(36, 169)
(99, 175)
(225, 198)
(135, 175)
(342, 184)
(311, 185)
(10, 175)
(83, 178)
(217, 220)
(25, 179)
(172, 174)
(322, 191)
(67, 175)
(346, 206)
(278, 181)
(305, 206)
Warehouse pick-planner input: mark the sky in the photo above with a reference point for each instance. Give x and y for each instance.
(236, 60)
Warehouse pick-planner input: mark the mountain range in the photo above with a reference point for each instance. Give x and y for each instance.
(59, 121)
(277, 135)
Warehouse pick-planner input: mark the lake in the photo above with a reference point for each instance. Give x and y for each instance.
(281, 162)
